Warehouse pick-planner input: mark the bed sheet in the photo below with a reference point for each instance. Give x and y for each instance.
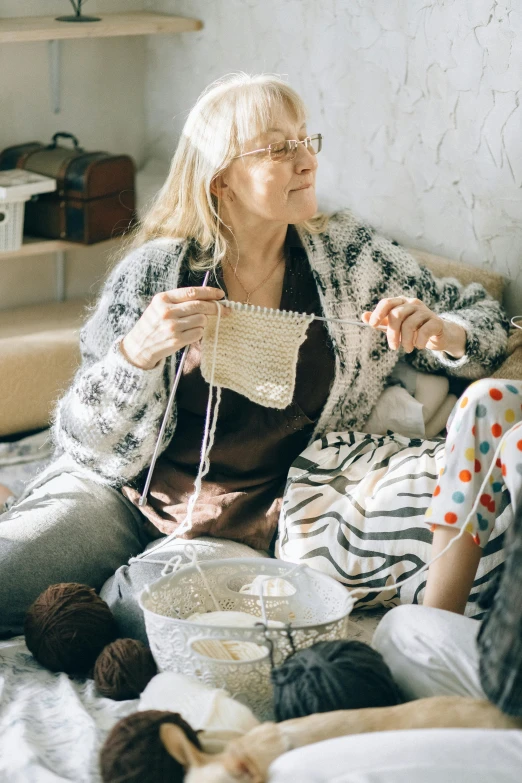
(51, 725)
(22, 460)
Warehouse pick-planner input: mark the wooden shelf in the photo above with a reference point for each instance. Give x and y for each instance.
(39, 247)
(46, 28)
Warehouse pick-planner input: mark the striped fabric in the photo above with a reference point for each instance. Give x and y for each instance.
(354, 508)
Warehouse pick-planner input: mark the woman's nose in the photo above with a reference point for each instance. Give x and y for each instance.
(305, 159)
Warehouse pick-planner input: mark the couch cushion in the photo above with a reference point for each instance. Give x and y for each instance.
(465, 273)
(39, 353)
(511, 368)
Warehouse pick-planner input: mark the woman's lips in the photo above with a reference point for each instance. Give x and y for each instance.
(304, 187)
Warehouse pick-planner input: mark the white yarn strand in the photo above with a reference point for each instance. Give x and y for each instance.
(206, 446)
(359, 592)
(362, 591)
(170, 402)
(208, 437)
(212, 417)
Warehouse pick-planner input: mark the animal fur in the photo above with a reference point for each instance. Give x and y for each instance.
(247, 760)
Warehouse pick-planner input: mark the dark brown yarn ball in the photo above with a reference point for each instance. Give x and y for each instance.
(134, 753)
(68, 626)
(123, 669)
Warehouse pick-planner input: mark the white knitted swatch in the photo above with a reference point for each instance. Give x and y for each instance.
(256, 352)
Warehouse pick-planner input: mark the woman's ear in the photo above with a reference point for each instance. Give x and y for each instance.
(219, 187)
(177, 745)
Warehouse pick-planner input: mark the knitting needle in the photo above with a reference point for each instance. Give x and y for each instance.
(143, 498)
(228, 303)
(343, 321)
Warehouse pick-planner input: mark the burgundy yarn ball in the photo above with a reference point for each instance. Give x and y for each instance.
(134, 753)
(68, 626)
(123, 669)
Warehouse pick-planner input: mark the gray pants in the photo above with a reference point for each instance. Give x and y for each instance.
(72, 529)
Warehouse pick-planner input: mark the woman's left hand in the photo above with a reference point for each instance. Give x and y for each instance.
(410, 323)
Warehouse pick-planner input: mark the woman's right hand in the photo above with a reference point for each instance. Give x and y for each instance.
(172, 320)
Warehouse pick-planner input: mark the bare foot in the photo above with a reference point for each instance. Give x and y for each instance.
(5, 493)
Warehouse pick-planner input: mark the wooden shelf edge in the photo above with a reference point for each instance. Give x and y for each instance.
(39, 247)
(46, 28)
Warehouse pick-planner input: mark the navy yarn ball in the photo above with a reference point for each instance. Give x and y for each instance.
(341, 675)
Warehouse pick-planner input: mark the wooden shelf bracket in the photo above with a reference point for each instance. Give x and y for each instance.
(54, 54)
(60, 275)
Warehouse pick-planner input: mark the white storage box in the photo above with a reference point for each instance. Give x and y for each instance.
(16, 187)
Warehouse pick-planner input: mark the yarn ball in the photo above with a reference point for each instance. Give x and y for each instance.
(134, 753)
(341, 675)
(67, 627)
(123, 669)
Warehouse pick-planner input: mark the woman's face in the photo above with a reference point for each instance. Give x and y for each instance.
(281, 191)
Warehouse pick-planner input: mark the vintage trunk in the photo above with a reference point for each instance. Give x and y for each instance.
(95, 199)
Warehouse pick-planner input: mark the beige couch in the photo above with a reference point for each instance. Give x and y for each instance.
(39, 349)
(38, 356)
(494, 285)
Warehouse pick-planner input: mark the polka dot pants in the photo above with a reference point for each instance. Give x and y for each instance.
(483, 456)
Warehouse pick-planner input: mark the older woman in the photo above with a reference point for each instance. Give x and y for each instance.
(240, 201)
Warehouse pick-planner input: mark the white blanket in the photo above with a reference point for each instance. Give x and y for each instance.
(22, 460)
(51, 726)
(416, 756)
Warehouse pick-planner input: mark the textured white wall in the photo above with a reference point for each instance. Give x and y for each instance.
(418, 100)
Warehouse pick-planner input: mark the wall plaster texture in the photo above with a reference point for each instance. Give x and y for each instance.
(419, 102)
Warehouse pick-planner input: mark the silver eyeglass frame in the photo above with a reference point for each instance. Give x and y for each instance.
(292, 150)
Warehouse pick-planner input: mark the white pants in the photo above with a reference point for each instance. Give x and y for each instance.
(430, 653)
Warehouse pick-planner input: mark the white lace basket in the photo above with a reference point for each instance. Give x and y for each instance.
(314, 608)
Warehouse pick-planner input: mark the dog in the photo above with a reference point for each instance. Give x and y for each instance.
(246, 760)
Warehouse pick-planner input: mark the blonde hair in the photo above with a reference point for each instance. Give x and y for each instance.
(230, 112)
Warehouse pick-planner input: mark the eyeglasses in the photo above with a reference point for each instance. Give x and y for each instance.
(287, 149)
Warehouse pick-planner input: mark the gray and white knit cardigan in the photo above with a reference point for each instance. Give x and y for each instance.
(107, 422)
